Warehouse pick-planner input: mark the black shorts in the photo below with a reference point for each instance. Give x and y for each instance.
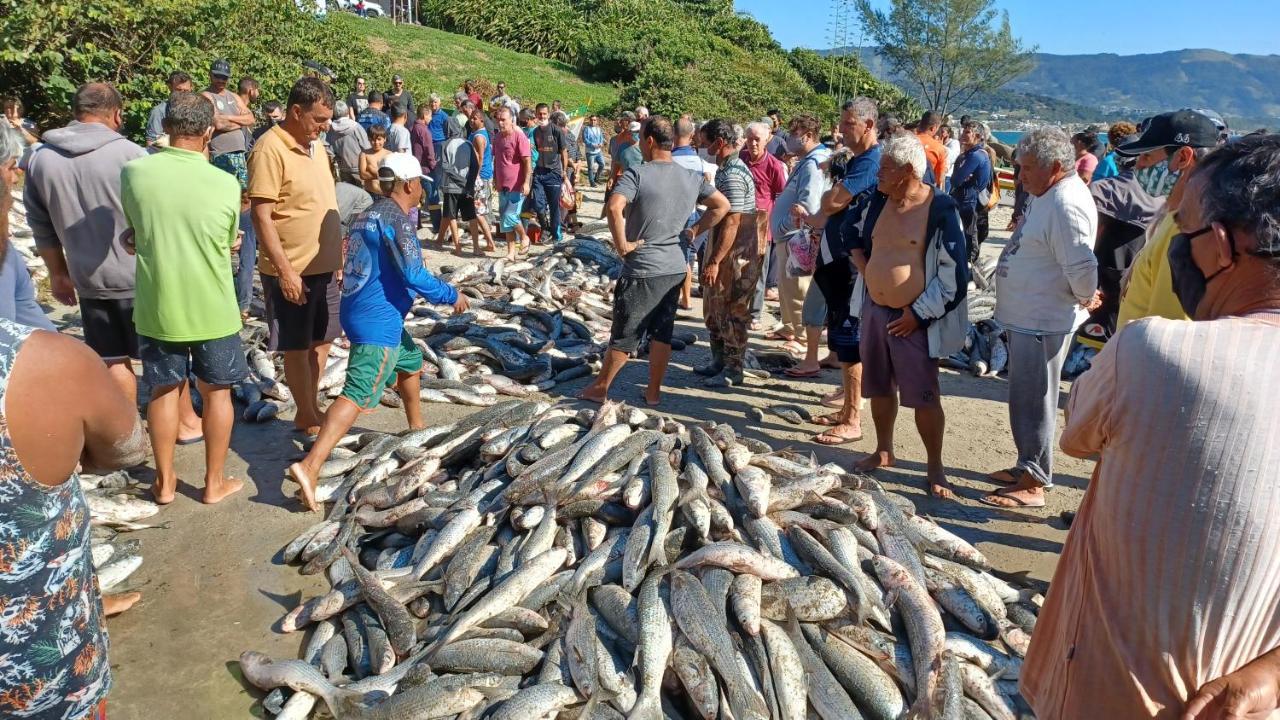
(835, 282)
(108, 328)
(644, 305)
(217, 362)
(459, 206)
(301, 327)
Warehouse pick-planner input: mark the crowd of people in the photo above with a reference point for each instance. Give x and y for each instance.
(1162, 251)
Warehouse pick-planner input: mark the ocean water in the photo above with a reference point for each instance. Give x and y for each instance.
(1011, 137)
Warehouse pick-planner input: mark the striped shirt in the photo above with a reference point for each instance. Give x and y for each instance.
(734, 181)
(1170, 577)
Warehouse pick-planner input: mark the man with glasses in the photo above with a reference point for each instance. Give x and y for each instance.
(505, 100)
(398, 95)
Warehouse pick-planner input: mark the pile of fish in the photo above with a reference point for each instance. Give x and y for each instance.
(114, 508)
(533, 560)
(986, 347)
(533, 324)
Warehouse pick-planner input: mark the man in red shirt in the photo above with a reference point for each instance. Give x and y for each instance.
(512, 177)
(934, 151)
(770, 176)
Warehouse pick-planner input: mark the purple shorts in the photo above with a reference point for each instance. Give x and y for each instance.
(895, 363)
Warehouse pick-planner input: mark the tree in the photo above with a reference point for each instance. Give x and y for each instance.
(948, 49)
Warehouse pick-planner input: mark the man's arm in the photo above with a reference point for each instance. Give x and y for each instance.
(615, 208)
(946, 290)
(269, 243)
(526, 175)
(965, 173)
(1253, 691)
(1072, 248)
(717, 208)
(408, 261)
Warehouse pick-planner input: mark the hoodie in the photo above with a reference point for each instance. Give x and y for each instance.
(73, 204)
(347, 139)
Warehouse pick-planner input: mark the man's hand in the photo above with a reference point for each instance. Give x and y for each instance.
(527, 189)
(710, 274)
(798, 213)
(1094, 302)
(1250, 693)
(235, 246)
(128, 241)
(291, 286)
(905, 325)
(64, 291)
(461, 305)
(628, 247)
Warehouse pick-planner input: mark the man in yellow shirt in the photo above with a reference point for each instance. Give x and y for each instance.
(1171, 145)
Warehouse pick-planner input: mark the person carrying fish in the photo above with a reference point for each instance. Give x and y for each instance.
(381, 276)
(647, 211)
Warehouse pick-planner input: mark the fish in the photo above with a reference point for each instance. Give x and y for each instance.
(695, 615)
(925, 630)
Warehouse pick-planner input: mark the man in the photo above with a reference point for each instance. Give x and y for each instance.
(627, 153)
(398, 95)
(1046, 273)
(459, 171)
(512, 178)
(733, 260)
(946, 136)
(648, 210)
(542, 112)
(437, 121)
(800, 198)
(457, 125)
(548, 176)
(770, 177)
(373, 114)
(178, 82)
(912, 277)
(971, 184)
(295, 215)
(421, 142)
(358, 99)
(502, 98)
(1175, 543)
(347, 139)
(383, 273)
(398, 139)
(935, 152)
(839, 221)
(185, 214)
(232, 117)
(274, 112)
(248, 90)
(1172, 144)
(642, 115)
(469, 87)
(778, 134)
(593, 145)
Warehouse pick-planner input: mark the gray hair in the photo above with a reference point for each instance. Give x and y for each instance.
(904, 149)
(10, 146)
(1048, 145)
(760, 126)
(642, 109)
(434, 96)
(189, 115)
(458, 97)
(340, 108)
(559, 118)
(1240, 184)
(739, 134)
(863, 108)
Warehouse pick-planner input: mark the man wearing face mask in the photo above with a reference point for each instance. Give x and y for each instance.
(1169, 148)
(1176, 542)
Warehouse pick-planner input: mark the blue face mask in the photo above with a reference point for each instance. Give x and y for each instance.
(1158, 180)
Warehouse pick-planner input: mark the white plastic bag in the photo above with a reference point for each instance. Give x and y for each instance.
(802, 253)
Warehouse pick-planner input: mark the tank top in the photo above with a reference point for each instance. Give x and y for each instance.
(53, 647)
(486, 164)
(226, 103)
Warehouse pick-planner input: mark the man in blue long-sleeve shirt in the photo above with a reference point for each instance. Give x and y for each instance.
(381, 276)
(971, 183)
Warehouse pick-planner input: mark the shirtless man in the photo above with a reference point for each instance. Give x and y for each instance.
(912, 264)
(372, 158)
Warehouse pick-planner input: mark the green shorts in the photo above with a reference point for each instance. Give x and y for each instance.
(371, 369)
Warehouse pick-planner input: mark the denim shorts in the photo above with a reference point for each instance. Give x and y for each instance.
(217, 362)
(509, 203)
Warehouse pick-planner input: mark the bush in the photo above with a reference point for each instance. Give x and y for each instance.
(53, 46)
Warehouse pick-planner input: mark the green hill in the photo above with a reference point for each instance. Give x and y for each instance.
(433, 60)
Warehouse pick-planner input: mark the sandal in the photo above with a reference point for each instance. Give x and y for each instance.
(830, 439)
(796, 373)
(1017, 502)
(780, 336)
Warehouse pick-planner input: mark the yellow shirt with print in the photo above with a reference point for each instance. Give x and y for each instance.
(1149, 292)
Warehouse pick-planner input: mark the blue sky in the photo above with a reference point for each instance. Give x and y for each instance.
(1081, 26)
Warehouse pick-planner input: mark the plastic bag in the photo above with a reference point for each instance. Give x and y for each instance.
(802, 253)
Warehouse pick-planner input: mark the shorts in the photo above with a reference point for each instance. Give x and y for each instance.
(371, 369)
(890, 363)
(814, 313)
(835, 281)
(509, 203)
(301, 327)
(484, 191)
(108, 328)
(216, 362)
(645, 305)
(236, 164)
(459, 206)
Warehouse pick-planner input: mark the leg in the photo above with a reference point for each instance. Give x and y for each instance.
(189, 422)
(686, 289)
(121, 370)
(598, 390)
(659, 358)
(553, 187)
(116, 603)
(299, 366)
(219, 416)
(162, 425)
(846, 424)
(338, 420)
(1033, 409)
(931, 423)
(884, 413)
(409, 386)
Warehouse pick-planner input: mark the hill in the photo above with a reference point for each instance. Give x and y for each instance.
(433, 60)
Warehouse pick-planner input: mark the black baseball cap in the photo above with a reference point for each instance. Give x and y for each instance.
(1180, 128)
(220, 68)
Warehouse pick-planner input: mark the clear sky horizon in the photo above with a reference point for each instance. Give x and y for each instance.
(1080, 27)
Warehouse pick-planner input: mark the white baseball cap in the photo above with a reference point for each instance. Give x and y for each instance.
(635, 127)
(399, 166)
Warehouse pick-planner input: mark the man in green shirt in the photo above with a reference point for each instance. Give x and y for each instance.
(184, 216)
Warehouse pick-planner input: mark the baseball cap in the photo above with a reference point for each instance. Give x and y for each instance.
(634, 127)
(396, 78)
(220, 68)
(399, 166)
(1182, 127)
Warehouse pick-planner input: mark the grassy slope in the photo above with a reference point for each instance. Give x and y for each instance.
(432, 60)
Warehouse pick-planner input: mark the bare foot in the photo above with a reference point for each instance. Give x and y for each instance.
(298, 474)
(190, 435)
(877, 459)
(652, 398)
(117, 603)
(829, 361)
(164, 493)
(941, 488)
(593, 394)
(217, 490)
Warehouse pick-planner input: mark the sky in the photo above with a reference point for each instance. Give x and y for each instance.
(1077, 27)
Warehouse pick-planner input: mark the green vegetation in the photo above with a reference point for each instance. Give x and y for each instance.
(433, 60)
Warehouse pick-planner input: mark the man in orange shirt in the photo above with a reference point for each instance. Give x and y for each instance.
(934, 151)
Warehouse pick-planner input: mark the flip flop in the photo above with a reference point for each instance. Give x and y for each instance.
(832, 402)
(1017, 503)
(827, 420)
(793, 372)
(830, 440)
(191, 441)
(795, 347)
(1006, 477)
(776, 335)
